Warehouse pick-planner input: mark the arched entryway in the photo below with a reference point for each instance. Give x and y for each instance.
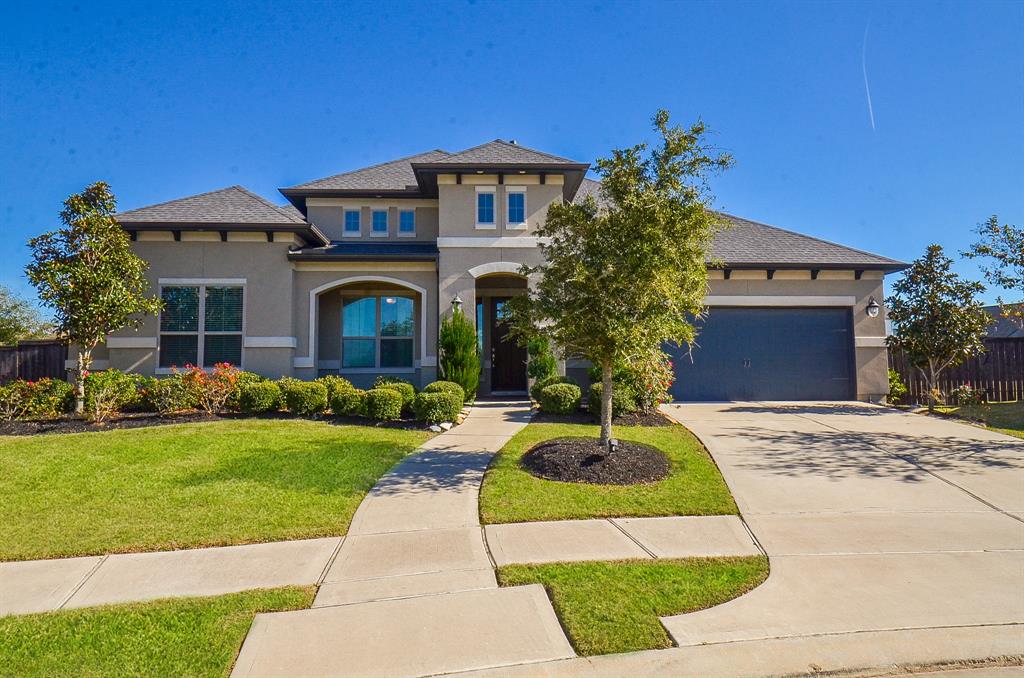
(504, 361)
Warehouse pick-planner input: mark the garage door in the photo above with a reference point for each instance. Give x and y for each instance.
(768, 354)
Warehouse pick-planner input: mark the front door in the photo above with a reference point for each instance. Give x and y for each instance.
(508, 359)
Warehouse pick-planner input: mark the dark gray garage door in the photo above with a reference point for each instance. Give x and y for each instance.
(768, 354)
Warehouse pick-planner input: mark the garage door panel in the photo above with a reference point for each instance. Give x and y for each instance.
(768, 354)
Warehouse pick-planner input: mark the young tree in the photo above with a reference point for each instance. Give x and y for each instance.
(87, 273)
(1003, 246)
(937, 319)
(19, 319)
(623, 277)
(459, 360)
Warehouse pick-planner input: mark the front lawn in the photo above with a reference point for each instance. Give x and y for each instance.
(614, 606)
(176, 637)
(1003, 417)
(188, 485)
(694, 486)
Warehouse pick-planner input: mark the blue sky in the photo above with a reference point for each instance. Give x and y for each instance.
(164, 100)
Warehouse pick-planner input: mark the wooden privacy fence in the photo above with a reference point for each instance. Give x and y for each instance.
(999, 370)
(33, 360)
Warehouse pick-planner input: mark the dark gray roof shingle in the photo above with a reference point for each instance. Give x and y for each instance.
(233, 205)
(394, 175)
(500, 152)
(1004, 328)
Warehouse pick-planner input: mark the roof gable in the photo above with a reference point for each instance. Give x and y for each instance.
(500, 152)
(394, 175)
(232, 205)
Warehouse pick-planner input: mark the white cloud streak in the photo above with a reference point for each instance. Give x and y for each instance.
(864, 68)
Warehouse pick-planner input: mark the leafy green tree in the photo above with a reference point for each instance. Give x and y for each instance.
(626, 275)
(1003, 246)
(19, 319)
(542, 362)
(89, 275)
(937, 319)
(459, 360)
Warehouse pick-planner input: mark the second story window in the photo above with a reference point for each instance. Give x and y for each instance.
(380, 222)
(352, 222)
(516, 207)
(485, 209)
(407, 222)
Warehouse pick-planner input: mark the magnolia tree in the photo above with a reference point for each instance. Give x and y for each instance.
(87, 273)
(625, 275)
(937, 319)
(1002, 245)
(19, 319)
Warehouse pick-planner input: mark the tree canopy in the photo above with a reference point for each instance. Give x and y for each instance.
(19, 319)
(1002, 245)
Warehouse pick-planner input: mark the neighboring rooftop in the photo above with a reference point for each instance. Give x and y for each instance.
(1005, 328)
(232, 205)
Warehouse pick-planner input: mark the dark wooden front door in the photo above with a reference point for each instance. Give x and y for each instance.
(508, 359)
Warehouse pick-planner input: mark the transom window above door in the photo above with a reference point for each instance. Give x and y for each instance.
(377, 331)
(200, 325)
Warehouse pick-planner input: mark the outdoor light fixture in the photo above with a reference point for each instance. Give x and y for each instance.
(456, 303)
(873, 308)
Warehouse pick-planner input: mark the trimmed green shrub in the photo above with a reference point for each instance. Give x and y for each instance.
(14, 399)
(259, 396)
(45, 398)
(172, 394)
(347, 403)
(303, 398)
(897, 389)
(404, 389)
(437, 406)
(382, 404)
(386, 380)
(560, 398)
(541, 384)
(109, 392)
(648, 376)
(334, 383)
(242, 380)
(623, 400)
(458, 359)
(445, 387)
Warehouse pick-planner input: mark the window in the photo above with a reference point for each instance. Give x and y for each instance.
(352, 222)
(380, 222)
(407, 222)
(377, 331)
(485, 209)
(516, 207)
(480, 326)
(200, 325)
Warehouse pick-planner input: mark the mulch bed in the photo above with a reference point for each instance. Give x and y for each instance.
(146, 419)
(654, 418)
(583, 460)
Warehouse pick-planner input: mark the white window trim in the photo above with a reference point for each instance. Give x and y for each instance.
(485, 225)
(387, 226)
(518, 225)
(345, 233)
(378, 338)
(406, 234)
(200, 333)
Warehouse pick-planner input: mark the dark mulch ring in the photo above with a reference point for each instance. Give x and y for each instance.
(652, 418)
(583, 460)
(145, 419)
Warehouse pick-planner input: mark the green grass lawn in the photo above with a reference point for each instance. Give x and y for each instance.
(614, 606)
(695, 487)
(177, 637)
(1003, 417)
(187, 485)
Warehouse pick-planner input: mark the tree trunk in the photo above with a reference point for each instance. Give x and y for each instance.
(606, 404)
(932, 378)
(83, 364)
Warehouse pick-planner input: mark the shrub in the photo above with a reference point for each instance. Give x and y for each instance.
(541, 384)
(459, 361)
(109, 392)
(211, 390)
(623, 400)
(966, 395)
(435, 407)
(445, 387)
(897, 389)
(334, 383)
(144, 400)
(259, 396)
(15, 400)
(347, 403)
(47, 398)
(382, 404)
(403, 388)
(172, 394)
(648, 377)
(560, 398)
(303, 398)
(242, 380)
(542, 361)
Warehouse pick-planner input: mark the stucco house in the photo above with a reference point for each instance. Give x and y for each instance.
(353, 276)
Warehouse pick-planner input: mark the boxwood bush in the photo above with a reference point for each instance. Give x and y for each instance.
(382, 404)
(334, 383)
(437, 406)
(560, 398)
(109, 392)
(303, 397)
(404, 388)
(445, 387)
(259, 396)
(347, 402)
(242, 380)
(171, 394)
(623, 400)
(544, 382)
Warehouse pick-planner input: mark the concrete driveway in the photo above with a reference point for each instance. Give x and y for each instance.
(874, 520)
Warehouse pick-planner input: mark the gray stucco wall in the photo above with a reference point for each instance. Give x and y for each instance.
(330, 220)
(458, 209)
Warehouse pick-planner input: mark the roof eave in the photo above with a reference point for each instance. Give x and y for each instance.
(311, 233)
(322, 256)
(893, 267)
